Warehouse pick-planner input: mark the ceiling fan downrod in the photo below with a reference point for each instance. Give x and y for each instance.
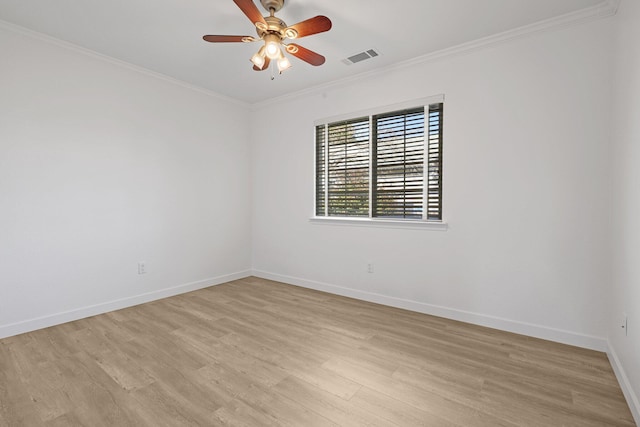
(272, 6)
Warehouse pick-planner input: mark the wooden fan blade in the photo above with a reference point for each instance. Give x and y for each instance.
(267, 61)
(228, 39)
(305, 54)
(315, 25)
(250, 9)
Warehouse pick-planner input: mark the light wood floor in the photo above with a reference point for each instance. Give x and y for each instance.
(259, 353)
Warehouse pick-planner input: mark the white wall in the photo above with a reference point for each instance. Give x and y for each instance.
(526, 190)
(626, 207)
(101, 167)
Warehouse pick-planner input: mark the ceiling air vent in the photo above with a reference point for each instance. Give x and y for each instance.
(362, 56)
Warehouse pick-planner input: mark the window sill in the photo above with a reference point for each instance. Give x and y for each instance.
(382, 223)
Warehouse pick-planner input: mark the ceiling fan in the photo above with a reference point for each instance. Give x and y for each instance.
(273, 31)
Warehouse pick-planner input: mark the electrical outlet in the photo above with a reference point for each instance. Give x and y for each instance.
(142, 268)
(624, 323)
(370, 267)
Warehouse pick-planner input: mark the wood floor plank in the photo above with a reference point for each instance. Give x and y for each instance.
(606, 408)
(46, 390)
(169, 408)
(225, 382)
(238, 414)
(338, 410)
(285, 411)
(425, 400)
(255, 352)
(16, 405)
(397, 411)
(446, 384)
(303, 365)
(65, 420)
(262, 372)
(129, 373)
(242, 412)
(533, 410)
(98, 400)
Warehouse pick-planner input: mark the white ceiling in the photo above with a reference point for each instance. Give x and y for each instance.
(165, 36)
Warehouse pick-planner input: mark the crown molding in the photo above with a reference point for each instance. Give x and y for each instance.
(605, 9)
(611, 6)
(93, 54)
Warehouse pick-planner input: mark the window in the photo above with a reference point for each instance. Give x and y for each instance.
(385, 165)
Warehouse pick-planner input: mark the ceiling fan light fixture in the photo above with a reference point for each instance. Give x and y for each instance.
(258, 58)
(272, 46)
(283, 63)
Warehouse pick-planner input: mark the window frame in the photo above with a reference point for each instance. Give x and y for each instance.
(370, 220)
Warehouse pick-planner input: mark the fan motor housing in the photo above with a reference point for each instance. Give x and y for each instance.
(276, 5)
(274, 26)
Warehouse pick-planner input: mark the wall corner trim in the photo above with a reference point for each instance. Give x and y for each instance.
(625, 383)
(93, 54)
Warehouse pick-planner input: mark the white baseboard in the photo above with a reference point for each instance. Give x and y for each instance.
(625, 383)
(92, 310)
(528, 329)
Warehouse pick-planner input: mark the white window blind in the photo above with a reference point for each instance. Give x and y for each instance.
(398, 164)
(381, 166)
